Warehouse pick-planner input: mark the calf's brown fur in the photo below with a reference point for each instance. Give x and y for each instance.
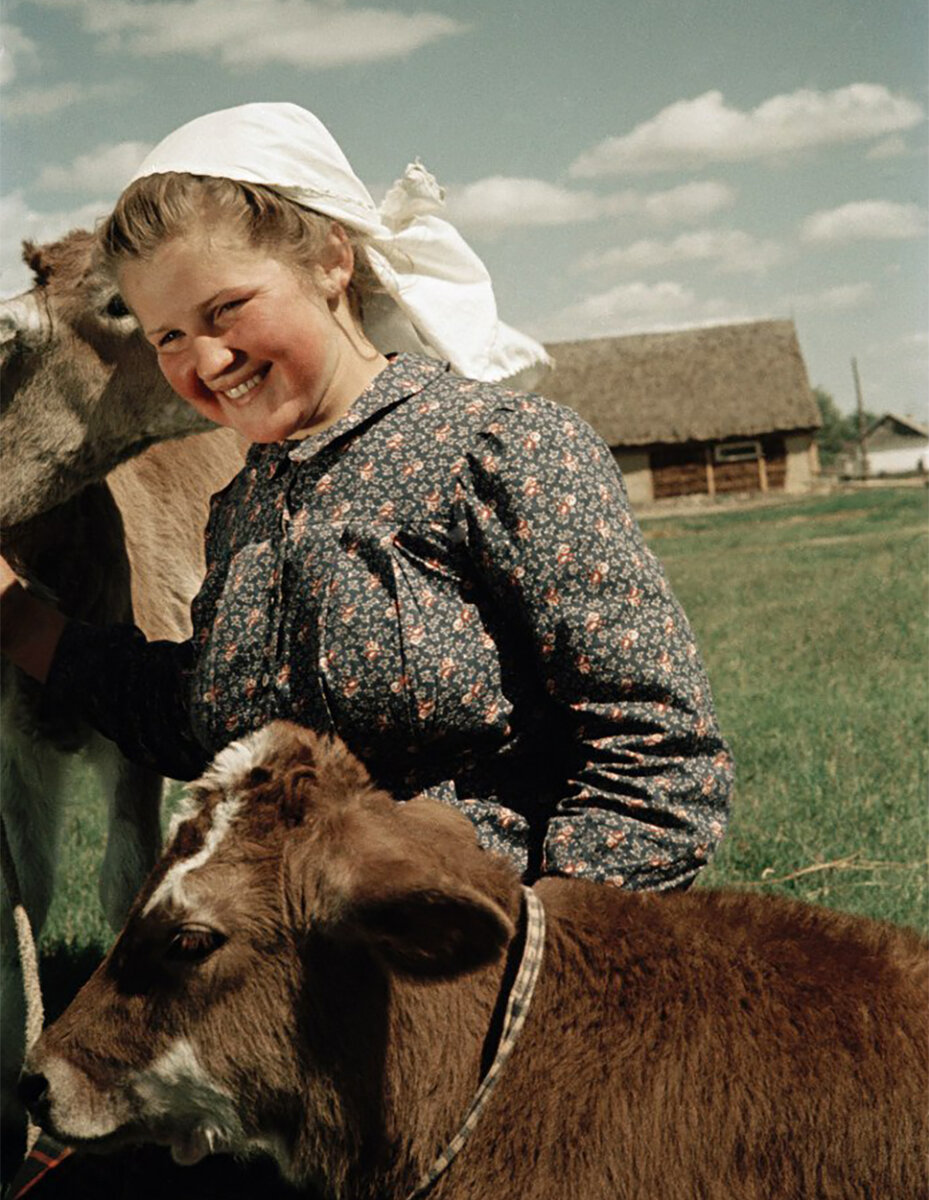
(335, 1013)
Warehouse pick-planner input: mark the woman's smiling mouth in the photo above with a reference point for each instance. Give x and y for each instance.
(242, 389)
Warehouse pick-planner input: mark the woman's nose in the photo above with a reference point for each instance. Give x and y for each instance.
(211, 358)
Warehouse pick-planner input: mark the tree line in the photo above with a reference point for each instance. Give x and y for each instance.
(839, 432)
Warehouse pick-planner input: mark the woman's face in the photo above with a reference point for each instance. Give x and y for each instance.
(248, 340)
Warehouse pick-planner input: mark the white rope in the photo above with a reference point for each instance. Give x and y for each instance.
(28, 961)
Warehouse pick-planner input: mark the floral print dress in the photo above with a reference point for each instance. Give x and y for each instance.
(451, 580)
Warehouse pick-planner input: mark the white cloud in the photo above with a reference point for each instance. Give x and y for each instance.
(836, 299)
(638, 299)
(628, 308)
(490, 206)
(499, 202)
(639, 308)
(15, 48)
(254, 33)
(732, 250)
(692, 133)
(893, 147)
(689, 201)
(865, 220)
(43, 101)
(107, 169)
(21, 223)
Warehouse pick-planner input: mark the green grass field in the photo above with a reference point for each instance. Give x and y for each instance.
(812, 619)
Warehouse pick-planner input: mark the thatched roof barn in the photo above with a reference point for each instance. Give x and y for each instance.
(719, 409)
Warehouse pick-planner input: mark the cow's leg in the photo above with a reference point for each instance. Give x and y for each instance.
(31, 784)
(133, 828)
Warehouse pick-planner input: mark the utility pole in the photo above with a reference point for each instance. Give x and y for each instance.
(862, 453)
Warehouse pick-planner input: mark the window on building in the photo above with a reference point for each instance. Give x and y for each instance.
(727, 452)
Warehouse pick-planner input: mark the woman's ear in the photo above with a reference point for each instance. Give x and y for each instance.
(334, 271)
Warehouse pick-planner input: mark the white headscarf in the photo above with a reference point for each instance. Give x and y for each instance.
(439, 297)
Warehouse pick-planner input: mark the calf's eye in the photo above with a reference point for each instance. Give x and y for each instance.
(192, 943)
(117, 307)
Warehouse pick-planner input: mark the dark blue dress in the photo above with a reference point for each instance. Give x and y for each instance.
(450, 579)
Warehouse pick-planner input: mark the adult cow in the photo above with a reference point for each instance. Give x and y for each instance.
(113, 533)
(315, 971)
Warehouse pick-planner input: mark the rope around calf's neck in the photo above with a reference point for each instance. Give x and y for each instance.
(517, 1009)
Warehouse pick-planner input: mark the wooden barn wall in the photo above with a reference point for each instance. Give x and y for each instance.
(690, 469)
(774, 447)
(679, 470)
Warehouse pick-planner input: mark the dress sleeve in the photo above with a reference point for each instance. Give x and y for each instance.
(132, 691)
(553, 537)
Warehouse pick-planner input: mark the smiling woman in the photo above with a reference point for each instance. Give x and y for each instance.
(267, 347)
(229, 280)
(442, 571)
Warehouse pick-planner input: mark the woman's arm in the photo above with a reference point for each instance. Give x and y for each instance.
(553, 537)
(134, 692)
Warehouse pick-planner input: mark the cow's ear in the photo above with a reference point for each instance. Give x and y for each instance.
(426, 926)
(36, 259)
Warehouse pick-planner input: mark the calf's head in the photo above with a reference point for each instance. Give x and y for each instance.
(247, 1003)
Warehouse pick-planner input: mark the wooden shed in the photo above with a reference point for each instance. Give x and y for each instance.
(708, 411)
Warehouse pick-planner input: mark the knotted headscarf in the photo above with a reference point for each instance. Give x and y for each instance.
(438, 297)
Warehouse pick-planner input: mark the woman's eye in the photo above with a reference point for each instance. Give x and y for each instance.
(168, 338)
(228, 306)
(193, 943)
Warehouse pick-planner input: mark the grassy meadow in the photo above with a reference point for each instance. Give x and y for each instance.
(812, 619)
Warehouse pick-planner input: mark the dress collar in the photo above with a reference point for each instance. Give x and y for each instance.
(405, 375)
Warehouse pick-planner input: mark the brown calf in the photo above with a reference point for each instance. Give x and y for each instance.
(314, 971)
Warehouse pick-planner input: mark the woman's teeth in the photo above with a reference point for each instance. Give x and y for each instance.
(242, 389)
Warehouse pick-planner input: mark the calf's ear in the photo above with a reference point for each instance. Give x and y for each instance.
(434, 927)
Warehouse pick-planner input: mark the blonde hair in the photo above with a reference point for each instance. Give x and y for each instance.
(156, 208)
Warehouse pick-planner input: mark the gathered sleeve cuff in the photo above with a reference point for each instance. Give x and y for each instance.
(132, 691)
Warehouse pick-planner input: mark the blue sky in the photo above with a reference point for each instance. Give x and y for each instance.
(620, 165)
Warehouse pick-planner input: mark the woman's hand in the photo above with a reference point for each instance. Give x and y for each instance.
(8, 578)
(29, 628)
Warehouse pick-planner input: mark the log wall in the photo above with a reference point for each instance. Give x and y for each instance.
(691, 470)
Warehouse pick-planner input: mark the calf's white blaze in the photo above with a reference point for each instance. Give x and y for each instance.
(230, 769)
(227, 774)
(171, 889)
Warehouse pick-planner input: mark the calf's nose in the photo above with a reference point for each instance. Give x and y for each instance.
(33, 1093)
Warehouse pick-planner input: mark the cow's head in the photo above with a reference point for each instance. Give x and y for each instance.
(81, 390)
(296, 917)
